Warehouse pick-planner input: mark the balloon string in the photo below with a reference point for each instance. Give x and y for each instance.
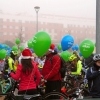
(53, 68)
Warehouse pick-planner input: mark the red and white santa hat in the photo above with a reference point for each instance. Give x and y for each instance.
(26, 54)
(52, 47)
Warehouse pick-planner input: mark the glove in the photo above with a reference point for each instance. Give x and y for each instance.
(99, 70)
(9, 71)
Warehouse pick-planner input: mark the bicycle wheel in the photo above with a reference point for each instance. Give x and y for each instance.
(54, 96)
(10, 96)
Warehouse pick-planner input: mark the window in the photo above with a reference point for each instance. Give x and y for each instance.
(16, 34)
(1, 34)
(26, 21)
(10, 27)
(4, 19)
(1, 20)
(41, 29)
(4, 26)
(7, 20)
(71, 31)
(78, 26)
(41, 22)
(20, 21)
(80, 31)
(26, 28)
(11, 34)
(23, 35)
(52, 30)
(0, 26)
(16, 27)
(13, 20)
(47, 30)
(5, 33)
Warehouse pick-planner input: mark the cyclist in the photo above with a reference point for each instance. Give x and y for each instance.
(76, 65)
(51, 71)
(93, 76)
(26, 72)
(10, 63)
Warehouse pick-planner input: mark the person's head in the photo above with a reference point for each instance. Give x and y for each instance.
(96, 59)
(26, 61)
(13, 54)
(51, 50)
(73, 59)
(42, 58)
(75, 52)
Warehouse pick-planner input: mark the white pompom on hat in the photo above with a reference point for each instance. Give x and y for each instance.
(52, 47)
(26, 54)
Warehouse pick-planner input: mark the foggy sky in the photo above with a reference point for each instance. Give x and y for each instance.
(76, 8)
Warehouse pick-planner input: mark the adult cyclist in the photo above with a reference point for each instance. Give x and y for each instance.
(10, 64)
(76, 65)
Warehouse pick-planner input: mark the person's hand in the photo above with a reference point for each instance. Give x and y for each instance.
(9, 71)
(42, 80)
(69, 72)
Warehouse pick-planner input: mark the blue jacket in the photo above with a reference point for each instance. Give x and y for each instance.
(93, 76)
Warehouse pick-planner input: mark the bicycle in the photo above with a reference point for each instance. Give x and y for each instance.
(74, 87)
(9, 95)
(8, 90)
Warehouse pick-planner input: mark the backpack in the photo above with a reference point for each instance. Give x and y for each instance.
(63, 66)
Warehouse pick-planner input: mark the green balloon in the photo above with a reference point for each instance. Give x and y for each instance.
(15, 48)
(65, 55)
(2, 54)
(17, 41)
(86, 48)
(41, 43)
(22, 48)
(59, 47)
(29, 43)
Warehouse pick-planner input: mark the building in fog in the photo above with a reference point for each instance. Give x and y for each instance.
(24, 26)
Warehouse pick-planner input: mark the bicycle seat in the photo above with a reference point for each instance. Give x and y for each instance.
(28, 97)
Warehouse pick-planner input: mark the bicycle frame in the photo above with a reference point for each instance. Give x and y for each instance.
(3, 89)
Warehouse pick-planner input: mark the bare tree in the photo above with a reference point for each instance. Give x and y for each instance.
(20, 35)
(9, 43)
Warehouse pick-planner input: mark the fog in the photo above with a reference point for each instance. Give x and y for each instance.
(74, 8)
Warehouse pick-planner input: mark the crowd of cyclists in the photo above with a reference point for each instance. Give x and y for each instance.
(30, 71)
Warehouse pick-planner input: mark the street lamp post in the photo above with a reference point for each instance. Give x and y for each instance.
(97, 26)
(37, 10)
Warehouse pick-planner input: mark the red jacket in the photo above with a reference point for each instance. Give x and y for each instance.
(27, 82)
(51, 68)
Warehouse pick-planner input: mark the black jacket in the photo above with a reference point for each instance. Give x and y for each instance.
(93, 76)
(88, 61)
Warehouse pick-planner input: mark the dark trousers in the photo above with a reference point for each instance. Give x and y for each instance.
(28, 92)
(53, 86)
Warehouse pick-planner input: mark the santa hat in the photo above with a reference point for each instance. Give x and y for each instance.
(26, 54)
(52, 47)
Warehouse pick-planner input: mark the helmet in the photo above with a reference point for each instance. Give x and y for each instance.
(15, 53)
(72, 57)
(96, 57)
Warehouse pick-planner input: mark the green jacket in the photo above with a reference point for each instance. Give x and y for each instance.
(11, 64)
(79, 68)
